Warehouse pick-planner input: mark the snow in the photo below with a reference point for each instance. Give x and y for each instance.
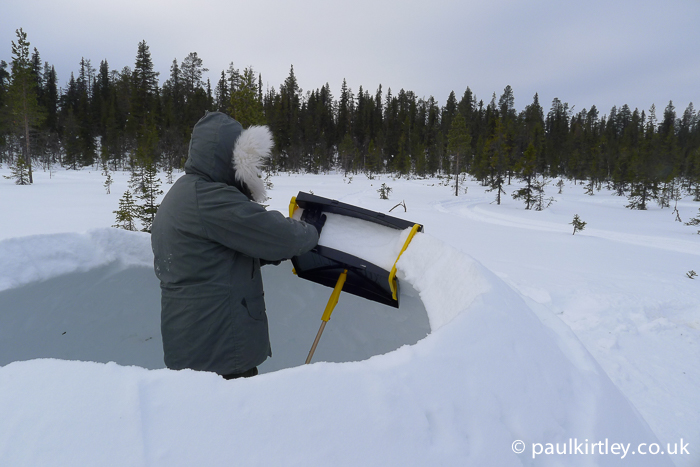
(35, 258)
(375, 243)
(533, 334)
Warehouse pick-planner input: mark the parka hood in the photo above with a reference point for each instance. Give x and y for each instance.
(222, 151)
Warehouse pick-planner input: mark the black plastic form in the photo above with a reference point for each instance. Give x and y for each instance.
(324, 265)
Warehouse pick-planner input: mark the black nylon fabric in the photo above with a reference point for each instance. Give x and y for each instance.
(208, 239)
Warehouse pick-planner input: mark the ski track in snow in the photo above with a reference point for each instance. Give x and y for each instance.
(473, 210)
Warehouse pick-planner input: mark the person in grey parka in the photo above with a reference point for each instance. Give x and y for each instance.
(209, 238)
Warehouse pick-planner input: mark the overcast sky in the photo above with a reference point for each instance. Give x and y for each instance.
(595, 52)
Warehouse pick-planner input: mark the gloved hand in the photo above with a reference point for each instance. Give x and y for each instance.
(314, 217)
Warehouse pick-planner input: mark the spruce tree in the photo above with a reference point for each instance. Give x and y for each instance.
(127, 214)
(196, 101)
(244, 104)
(557, 131)
(286, 122)
(222, 94)
(346, 152)
(20, 172)
(525, 168)
(25, 113)
(192, 70)
(458, 145)
(148, 194)
(496, 159)
(344, 111)
(49, 98)
(374, 163)
(641, 149)
(144, 92)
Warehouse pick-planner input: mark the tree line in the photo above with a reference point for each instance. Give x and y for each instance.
(125, 119)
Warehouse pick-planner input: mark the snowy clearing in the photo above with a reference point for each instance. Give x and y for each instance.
(535, 335)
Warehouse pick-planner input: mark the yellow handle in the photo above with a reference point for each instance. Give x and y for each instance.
(333, 300)
(392, 274)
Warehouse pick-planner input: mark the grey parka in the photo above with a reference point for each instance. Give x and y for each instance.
(208, 239)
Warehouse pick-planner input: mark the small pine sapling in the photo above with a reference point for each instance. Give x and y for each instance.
(108, 182)
(384, 191)
(541, 203)
(127, 213)
(268, 181)
(578, 224)
(677, 213)
(105, 171)
(560, 185)
(676, 195)
(20, 172)
(694, 221)
(149, 193)
(169, 174)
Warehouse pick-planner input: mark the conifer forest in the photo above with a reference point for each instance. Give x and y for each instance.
(127, 120)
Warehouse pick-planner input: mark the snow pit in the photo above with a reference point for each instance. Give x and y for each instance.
(75, 297)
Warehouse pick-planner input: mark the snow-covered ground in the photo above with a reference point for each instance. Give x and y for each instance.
(587, 344)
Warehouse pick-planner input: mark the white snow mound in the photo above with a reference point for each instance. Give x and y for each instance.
(490, 373)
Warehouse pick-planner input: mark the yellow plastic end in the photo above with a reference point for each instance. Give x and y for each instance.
(333, 301)
(292, 206)
(392, 274)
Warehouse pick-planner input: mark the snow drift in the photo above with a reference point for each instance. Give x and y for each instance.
(490, 372)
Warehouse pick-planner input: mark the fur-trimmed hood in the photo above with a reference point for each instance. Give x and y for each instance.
(222, 151)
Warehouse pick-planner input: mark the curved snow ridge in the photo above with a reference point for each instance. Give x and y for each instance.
(447, 280)
(40, 257)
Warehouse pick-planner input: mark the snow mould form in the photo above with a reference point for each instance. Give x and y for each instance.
(363, 243)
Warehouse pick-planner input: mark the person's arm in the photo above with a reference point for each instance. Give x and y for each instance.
(229, 218)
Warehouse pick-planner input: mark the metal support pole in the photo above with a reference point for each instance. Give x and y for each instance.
(332, 302)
